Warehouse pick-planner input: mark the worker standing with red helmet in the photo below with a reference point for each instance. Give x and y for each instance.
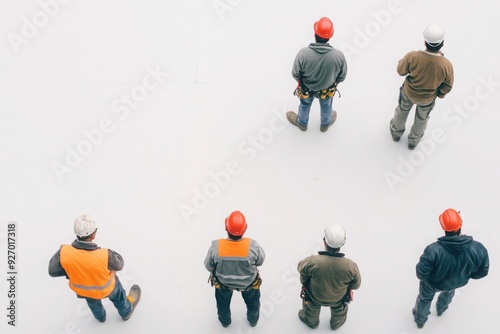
(318, 69)
(233, 264)
(446, 265)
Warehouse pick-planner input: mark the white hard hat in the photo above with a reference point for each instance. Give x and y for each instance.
(335, 236)
(84, 225)
(434, 34)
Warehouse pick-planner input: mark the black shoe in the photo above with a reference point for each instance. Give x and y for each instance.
(440, 312)
(225, 323)
(411, 146)
(103, 319)
(253, 318)
(420, 324)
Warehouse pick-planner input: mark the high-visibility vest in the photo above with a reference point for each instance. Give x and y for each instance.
(88, 271)
(230, 248)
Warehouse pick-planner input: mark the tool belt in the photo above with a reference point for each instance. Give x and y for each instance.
(304, 93)
(212, 279)
(301, 92)
(257, 282)
(349, 295)
(304, 294)
(329, 92)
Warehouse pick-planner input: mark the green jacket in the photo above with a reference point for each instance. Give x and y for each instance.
(327, 276)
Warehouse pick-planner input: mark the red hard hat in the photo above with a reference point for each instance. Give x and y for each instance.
(236, 224)
(450, 220)
(324, 28)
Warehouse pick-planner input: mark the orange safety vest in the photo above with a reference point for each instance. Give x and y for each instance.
(231, 248)
(88, 271)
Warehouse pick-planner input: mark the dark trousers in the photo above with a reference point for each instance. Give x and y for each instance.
(223, 297)
(311, 310)
(425, 296)
(118, 297)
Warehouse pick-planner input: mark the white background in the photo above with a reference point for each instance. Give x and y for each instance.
(222, 102)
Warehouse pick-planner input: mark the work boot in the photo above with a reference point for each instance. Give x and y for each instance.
(253, 318)
(440, 312)
(103, 319)
(303, 319)
(294, 119)
(392, 135)
(134, 296)
(334, 118)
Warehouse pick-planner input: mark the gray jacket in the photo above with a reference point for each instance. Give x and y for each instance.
(235, 262)
(319, 65)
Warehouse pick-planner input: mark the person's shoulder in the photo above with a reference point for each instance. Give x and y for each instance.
(477, 244)
(415, 53)
(435, 246)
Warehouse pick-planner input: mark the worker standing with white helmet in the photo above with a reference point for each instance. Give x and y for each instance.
(91, 271)
(328, 280)
(428, 75)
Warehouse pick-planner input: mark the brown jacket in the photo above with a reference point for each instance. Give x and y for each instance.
(428, 75)
(327, 277)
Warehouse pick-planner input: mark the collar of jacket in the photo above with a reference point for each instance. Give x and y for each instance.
(84, 245)
(331, 254)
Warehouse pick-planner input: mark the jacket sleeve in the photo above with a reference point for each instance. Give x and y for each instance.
(55, 268)
(425, 265)
(115, 261)
(343, 71)
(446, 85)
(296, 69)
(261, 255)
(356, 280)
(403, 65)
(484, 265)
(210, 264)
(303, 269)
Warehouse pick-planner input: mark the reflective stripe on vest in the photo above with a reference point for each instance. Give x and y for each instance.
(88, 271)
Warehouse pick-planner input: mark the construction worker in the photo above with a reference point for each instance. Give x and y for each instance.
(446, 265)
(233, 264)
(428, 75)
(91, 271)
(328, 280)
(318, 69)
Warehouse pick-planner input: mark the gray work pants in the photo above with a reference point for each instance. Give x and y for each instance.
(398, 122)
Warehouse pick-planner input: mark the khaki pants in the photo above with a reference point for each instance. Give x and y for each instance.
(311, 310)
(398, 122)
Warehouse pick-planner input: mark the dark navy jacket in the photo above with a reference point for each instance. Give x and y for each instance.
(450, 262)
